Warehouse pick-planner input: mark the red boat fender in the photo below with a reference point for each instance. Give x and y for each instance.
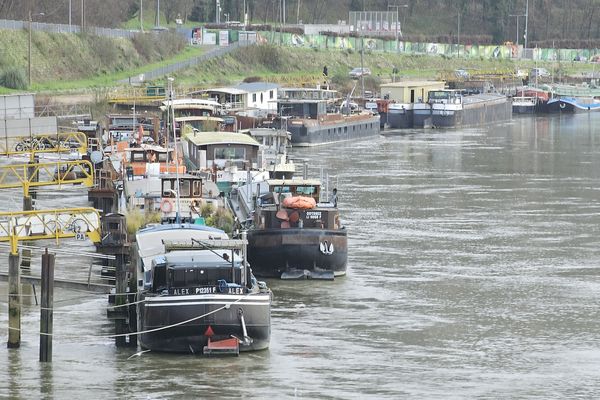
(299, 202)
(282, 215)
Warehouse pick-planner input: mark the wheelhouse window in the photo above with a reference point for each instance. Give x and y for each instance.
(306, 190)
(196, 189)
(281, 189)
(184, 188)
(167, 188)
(137, 156)
(162, 157)
(230, 153)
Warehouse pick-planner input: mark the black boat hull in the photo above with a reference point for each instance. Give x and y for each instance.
(316, 134)
(158, 312)
(480, 114)
(519, 109)
(273, 252)
(400, 119)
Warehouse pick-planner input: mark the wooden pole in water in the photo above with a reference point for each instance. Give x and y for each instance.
(132, 310)
(30, 195)
(46, 316)
(14, 302)
(120, 299)
(26, 253)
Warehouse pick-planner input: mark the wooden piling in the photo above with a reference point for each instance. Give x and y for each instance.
(120, 300)
(14, 302)
(35, 178)
(27, 289)
(46, 315)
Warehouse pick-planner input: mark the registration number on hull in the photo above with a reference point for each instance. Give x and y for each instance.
(204, 290)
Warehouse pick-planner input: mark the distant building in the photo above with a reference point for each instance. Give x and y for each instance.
(410, 91)
(261, 96)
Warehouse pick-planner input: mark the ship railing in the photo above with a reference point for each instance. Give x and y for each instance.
(206, 244)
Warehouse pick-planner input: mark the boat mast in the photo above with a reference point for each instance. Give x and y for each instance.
(244, 255)
(172, 117)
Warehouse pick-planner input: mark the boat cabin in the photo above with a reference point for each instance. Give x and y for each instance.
(305, 103)
(408, 92)
(190, 108)
(273, 151)
(192, 124)
(445, 97)
(272, 212)
(197, 113)
(150, 160)
(191, 197)
(247, 95)
(193, 272)
(160, 194)
(124, 127)
(208, 150)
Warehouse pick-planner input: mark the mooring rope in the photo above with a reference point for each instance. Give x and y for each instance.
(226, 306)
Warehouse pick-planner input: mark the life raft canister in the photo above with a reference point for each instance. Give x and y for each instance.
(299, 202)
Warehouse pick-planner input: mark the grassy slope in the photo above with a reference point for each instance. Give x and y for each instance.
(296, 66)
(78, 62)
(62, 61)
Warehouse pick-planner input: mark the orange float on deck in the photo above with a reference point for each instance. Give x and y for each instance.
(299, 202)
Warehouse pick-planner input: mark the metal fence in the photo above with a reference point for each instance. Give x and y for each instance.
(64, 28)
(192, 62)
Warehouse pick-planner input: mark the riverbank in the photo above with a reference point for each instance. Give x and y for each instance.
(71, 64)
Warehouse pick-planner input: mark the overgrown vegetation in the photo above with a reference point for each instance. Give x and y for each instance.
(220, 218)
(13, 78)
(137, 219)
(63, 57)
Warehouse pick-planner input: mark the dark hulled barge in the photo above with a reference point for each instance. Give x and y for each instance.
(197, 292)
(291, 235)
(311, 117)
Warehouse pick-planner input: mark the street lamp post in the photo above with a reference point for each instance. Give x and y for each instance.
(362, 70)
(517, 17)
(397, 32)
(526, 18)
(176, 156)
(142, 15)
(133, 123)
(458, 35)
(157, 19)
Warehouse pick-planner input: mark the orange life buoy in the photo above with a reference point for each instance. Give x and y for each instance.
(166, 205)
(299, 202)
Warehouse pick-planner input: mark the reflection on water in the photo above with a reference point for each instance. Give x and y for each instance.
(473, 272)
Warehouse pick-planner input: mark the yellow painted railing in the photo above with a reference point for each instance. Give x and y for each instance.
(46, 174)
(78, 223)
(44, 143)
